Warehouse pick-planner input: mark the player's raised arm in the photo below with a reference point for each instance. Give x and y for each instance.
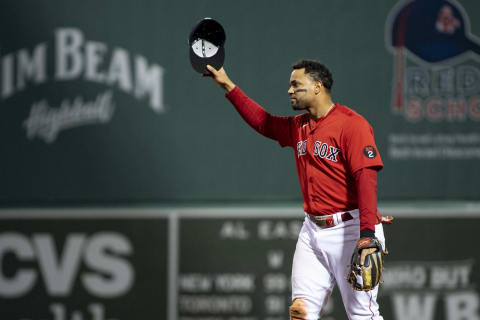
(220, 77)
(273, 127)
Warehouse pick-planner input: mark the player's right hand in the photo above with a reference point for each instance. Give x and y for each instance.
(220, 77)
(387, 219)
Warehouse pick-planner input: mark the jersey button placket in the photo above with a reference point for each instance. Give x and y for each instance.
(308, 168)
(308, 183)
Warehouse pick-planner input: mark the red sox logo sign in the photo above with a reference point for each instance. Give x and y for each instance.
(436, 73)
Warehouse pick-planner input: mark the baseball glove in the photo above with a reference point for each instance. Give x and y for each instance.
(366, 266)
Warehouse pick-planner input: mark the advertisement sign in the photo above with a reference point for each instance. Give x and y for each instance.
(77, 268)
(218, 263)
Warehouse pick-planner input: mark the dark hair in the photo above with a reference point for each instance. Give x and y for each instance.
(317, 71)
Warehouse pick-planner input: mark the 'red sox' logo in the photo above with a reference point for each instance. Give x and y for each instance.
(321, 150)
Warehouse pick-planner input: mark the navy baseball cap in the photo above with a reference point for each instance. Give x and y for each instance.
(433, 30)
(206, 42)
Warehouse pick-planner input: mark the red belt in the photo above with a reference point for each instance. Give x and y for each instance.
(328, 221)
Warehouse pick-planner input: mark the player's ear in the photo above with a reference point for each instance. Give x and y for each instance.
(318, 86)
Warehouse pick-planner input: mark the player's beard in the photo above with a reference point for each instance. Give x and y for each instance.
(297, 105)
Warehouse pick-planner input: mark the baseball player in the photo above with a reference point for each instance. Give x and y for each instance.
(337, 163)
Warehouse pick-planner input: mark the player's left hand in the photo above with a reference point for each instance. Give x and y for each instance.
(364, 253)
(366, 266)
(366, 246)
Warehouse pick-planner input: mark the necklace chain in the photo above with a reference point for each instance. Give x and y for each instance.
(331, 107)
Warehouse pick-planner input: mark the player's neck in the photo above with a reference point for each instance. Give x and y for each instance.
(321, 109)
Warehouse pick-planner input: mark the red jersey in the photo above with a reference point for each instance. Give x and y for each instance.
(328, 151)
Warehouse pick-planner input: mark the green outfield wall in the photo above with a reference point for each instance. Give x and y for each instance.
(100, 106)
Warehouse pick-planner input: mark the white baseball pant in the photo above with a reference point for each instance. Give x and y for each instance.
(321, 260)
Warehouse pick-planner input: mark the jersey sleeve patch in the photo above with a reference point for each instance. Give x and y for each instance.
(370, 152)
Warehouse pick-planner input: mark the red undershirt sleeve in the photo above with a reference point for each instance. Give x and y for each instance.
(366, 182)
(273, 127)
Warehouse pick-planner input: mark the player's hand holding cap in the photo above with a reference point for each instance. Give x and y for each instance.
(206, 43)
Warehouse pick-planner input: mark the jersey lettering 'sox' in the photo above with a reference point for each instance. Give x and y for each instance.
(325, 151)
(321, 150)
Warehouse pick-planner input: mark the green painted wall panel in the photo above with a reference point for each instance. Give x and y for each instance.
(191, 145)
